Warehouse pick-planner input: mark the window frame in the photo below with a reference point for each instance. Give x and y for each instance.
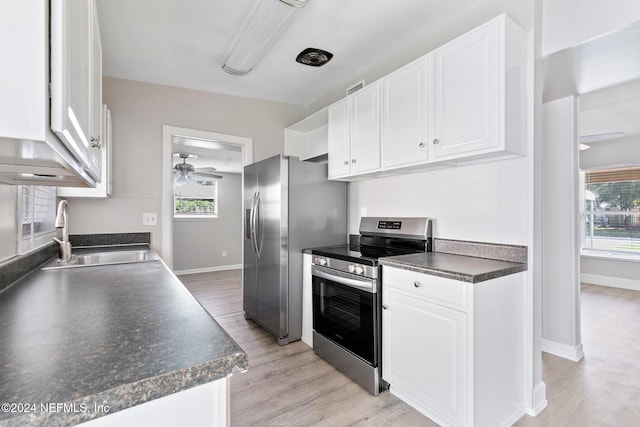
(34, 240)
(585, 212)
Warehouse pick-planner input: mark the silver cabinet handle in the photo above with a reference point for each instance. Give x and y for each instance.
(96, 142)
(417, 284)
(385, 307)
(421, 145)
(435, 141)
(346, 162)
(353, 161)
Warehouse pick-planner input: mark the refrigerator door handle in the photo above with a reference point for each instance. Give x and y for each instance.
(252, 224)
(258, 228)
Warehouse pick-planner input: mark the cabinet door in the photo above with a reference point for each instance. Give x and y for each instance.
(96, 137)
(102, 188)
(365, 129)
(423, 355)
(406, 118)
(468, 93)
(338, 138)
(72, 65)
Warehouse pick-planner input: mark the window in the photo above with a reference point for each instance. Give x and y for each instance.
(612, 211)
(197, 200)
(37, 215)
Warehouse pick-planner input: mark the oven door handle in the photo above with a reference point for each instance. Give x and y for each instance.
(363, 284)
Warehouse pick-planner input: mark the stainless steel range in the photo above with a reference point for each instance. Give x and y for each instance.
(347, 311)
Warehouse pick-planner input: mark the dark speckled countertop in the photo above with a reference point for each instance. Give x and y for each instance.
(458, 267)
(116, 335)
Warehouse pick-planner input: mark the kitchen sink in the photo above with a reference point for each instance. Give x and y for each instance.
(104, 258)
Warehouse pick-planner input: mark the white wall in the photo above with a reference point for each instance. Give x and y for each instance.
(567, 23)
(139, 111)
(561, 237)
(485, 202)
(8, 221)
(198, 243)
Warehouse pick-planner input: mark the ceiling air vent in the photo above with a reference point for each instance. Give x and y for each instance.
(314, 57)
(356, 87)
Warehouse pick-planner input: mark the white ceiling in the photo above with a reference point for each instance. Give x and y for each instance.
(184, 43)
(615, 109)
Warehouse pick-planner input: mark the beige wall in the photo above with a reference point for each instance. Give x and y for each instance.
(139, 111)
(8, 221)
(198, 243)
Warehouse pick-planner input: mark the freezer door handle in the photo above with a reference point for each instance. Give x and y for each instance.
(258, 226)
(254, 221)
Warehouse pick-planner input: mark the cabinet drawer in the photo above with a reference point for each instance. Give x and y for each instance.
(432, 288)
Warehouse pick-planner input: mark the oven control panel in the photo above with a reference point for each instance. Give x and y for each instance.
(345, 266)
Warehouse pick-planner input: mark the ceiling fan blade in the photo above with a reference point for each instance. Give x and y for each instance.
(207, 169)
(205, 175)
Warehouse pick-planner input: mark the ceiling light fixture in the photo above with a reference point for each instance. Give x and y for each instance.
(263, 27)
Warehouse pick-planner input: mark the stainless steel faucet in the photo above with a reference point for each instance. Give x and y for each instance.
(62, 221)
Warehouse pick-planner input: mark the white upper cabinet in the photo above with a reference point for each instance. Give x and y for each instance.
(307, 139)
(76, 74)
(472, 90)
(365, 129)
(102, 188)
(30, 40)
(339, 138)
(406, 114)
(354, 133)
(468, 93)
(462, 103)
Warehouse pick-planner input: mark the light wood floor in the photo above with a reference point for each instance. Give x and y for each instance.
(292, 386)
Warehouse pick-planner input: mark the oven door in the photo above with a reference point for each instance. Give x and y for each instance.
(345, 311)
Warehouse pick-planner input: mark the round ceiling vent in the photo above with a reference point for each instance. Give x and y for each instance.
(314, 57)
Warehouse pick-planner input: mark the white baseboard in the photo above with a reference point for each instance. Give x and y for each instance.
(566, 351)
(612, 282)
(539, 397)
(208, 269)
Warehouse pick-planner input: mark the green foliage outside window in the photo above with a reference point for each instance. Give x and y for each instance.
(195, 206)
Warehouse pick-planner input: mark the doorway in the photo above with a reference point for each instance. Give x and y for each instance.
(210, 148)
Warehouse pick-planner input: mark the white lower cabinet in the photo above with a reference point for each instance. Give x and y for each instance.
(455, 350)
(420, 372)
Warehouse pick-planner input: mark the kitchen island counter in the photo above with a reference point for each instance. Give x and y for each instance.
(80, 343)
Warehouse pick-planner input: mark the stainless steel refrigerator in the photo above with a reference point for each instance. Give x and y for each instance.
(289, 205)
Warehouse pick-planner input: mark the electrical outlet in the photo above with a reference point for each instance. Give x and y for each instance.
(224, 253)
(149, 218)
(363, 211)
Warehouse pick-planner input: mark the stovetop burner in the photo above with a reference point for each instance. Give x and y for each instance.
(364, 254)
(379, 237)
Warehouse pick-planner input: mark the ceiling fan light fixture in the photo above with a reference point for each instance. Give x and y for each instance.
(314, 57)
(266, 23)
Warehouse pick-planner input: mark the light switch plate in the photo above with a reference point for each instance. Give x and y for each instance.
(150, 218)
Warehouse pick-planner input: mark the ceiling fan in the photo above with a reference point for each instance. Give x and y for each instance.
(186, 174)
